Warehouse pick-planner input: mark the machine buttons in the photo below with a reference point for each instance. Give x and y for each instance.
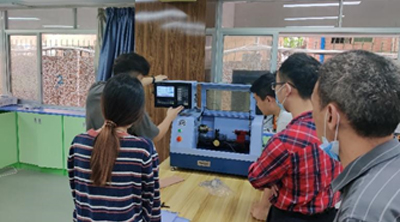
(179, 130)
(182, 122)
(179, 139)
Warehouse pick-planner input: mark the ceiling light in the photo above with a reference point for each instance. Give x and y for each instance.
(146, 16)
(23, 18)
(59, 26)
(320, 4)
(313, 18)
(312, 26)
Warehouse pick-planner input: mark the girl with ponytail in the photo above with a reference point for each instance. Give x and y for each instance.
(114, 175)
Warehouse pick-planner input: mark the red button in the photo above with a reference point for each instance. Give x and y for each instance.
(179, 139)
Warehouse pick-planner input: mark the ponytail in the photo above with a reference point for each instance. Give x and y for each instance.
(104, 154)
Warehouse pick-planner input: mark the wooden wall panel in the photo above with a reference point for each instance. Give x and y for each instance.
(177, 51)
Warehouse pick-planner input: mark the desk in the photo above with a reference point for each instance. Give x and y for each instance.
(197, 205)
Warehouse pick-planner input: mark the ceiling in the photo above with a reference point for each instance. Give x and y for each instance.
(275, 13)
(18, 4)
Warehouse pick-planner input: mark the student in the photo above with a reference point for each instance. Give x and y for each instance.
(356, 108)
(113, 175)
(266, 102)
(292, 162)
(138, 67)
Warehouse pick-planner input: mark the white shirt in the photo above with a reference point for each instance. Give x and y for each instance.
(283, 120)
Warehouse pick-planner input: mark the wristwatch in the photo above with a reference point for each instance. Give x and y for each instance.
(154, 80)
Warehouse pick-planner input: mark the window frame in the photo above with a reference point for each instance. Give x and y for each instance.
(235, 33)
(218, 33)
(38, 32)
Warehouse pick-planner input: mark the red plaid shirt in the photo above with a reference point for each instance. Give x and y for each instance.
(293, 161)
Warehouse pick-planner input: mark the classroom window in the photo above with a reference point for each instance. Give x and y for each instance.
(24, 69)
(322, 48)
(68, 68)
(58, 68)
(245, 53)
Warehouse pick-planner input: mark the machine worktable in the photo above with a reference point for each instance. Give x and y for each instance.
(196, 204)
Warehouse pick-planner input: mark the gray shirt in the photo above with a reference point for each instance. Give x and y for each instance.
(95, 119)
(370, 186)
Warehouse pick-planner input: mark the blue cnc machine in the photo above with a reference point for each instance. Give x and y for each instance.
(223, 135)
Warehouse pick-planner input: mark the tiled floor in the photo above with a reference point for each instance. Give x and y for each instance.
(30, 196)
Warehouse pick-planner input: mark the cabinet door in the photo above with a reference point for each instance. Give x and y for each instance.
(8, 139)
(28, 137)
(50, 141)
(73, 126)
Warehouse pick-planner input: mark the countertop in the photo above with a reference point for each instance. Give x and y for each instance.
(44, 110)
(196, 204)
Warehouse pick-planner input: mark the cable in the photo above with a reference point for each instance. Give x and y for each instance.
(230, 146)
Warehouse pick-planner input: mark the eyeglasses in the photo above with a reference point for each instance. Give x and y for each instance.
(273, 85)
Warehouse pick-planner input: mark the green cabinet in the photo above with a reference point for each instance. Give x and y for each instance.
(8, 139)
(50, 141)
(27, 136)
(40, 140)
(72, 127)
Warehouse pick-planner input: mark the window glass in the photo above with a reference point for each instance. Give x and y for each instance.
(245, 54)
(324, 47)
(24, 72)
(68, 68)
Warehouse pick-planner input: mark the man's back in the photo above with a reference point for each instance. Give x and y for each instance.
(371, 186)
(94, 116)
(95, 119)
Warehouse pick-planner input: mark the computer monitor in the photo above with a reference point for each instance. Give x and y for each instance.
(174, 94)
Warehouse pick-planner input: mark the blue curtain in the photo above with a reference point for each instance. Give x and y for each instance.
(119, 38)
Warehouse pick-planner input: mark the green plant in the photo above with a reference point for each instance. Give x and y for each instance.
(293, 42)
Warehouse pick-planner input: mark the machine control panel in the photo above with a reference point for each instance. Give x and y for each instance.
(174, 94)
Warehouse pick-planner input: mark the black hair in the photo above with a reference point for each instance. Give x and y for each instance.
(262, 86)
(301, 70)
(131, 63)
(122, 104)
(366, 88)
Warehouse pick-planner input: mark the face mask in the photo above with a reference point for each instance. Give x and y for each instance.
(280, 105)
(331, 148)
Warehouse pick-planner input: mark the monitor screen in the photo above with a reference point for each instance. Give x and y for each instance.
(166, 91)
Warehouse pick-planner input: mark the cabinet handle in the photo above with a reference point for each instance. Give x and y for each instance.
(40, 121)
(35, 120)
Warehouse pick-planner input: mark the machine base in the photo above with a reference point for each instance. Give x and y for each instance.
(212, 164)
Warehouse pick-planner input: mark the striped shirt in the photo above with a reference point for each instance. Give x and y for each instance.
(133, 193)
(370, 186)
(293, 161)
